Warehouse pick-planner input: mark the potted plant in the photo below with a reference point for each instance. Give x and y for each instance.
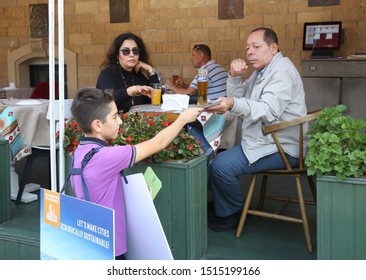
(337, 157)
(182, 168)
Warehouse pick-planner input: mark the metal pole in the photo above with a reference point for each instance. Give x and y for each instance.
(51, 50)
(61, 90)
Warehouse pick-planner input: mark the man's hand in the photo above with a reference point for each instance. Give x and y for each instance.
(226, 103)
(238, 67)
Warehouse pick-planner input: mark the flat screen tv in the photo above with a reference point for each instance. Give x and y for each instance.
(322, 38)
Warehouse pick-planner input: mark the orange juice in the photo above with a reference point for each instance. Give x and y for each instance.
(156, 98)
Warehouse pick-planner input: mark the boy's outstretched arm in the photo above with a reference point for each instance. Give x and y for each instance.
(166, 136)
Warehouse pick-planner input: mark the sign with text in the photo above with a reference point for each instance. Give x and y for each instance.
(75, 229)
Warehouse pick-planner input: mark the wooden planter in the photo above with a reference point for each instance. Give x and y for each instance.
(182, 205)
(5, 202)
(341, 218)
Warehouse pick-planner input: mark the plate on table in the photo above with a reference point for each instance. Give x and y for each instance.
(9, 88)
(29, 102)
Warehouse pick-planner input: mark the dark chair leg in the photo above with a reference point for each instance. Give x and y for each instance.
(28, 165)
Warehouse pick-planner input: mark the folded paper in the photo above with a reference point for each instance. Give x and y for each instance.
(175, 102)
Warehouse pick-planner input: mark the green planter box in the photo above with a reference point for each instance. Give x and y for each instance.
(341, 218)
(5, 202)
(182, 205)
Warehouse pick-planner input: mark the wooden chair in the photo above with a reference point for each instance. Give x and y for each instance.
(295, 172)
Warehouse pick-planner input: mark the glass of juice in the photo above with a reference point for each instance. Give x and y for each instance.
(156, 97)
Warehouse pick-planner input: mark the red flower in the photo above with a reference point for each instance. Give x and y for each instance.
(139, 127)
(72, 135)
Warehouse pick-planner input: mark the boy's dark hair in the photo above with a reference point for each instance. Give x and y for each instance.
(90, 104)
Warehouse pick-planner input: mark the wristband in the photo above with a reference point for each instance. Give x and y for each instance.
(153, 72)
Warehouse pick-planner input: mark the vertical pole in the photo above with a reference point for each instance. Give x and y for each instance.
(51, 63)
(61, 84)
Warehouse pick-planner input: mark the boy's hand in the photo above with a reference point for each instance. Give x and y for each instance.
(191, 114)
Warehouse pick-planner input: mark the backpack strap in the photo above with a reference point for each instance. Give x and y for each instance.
(79, 171)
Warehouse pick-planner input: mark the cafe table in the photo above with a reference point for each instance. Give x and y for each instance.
(17, 93)
(33, 125)
(31, 116)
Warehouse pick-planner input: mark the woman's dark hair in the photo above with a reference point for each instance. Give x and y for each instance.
(90, 104)
(112, 53)
(269, 35)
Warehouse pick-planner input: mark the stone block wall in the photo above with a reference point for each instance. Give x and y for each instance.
(171, 28)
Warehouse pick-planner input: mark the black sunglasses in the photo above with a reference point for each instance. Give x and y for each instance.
(126, 51)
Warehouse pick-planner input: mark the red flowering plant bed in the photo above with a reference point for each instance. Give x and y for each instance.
(72, 135)
(139, 127)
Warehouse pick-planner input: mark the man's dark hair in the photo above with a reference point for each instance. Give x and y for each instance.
(269, 35)
(204, 49)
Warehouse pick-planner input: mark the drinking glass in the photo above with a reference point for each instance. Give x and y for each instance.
(156, 98)
(202, 79)
(175, 76)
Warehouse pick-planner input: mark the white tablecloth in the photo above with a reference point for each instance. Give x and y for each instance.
(231, 135)
(18, 93)
(35, 127)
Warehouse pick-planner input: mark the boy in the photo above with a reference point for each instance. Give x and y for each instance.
(96, 114)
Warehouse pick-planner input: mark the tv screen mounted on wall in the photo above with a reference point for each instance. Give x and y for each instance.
(322, 38)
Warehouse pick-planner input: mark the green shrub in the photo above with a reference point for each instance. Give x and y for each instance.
(337, 144)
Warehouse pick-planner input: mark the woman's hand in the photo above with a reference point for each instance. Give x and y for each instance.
(146, 67)
(140, 90)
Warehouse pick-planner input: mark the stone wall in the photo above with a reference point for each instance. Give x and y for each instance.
(171, 28)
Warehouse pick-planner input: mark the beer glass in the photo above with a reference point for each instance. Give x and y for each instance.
(202, 80)
(175, 76)
(156, 97)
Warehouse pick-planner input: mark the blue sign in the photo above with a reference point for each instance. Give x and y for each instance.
(75, 229)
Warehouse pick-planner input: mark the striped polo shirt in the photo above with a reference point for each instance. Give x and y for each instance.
(217, 76)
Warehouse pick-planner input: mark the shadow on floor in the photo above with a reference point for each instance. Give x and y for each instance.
(262, 239)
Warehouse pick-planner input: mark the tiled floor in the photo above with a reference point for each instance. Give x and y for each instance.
(263, 239)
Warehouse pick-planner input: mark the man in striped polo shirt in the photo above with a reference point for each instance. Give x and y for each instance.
(217, 76)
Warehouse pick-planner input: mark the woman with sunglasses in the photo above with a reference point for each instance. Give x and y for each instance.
(126, 70)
